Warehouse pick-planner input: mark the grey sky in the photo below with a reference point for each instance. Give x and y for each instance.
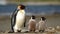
(2, 2)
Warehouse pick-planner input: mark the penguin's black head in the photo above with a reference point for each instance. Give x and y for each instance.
(43, 18)
(21, 6)
(33, 17)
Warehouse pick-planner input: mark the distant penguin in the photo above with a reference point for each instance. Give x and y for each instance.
(42, 24)
(32, 24)
(18, 19)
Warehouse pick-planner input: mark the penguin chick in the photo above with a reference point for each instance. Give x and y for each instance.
(32, 24)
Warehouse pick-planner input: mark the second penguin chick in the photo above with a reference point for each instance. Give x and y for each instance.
(42, 24)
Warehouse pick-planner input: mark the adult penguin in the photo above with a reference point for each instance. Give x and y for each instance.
(18, 18)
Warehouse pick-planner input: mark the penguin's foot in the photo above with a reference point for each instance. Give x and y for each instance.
(19, 30)
(32, 31)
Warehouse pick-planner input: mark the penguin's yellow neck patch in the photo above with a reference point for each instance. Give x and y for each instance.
(21, 11)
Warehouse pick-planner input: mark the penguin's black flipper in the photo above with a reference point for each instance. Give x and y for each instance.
(25, 22)
(13, 19)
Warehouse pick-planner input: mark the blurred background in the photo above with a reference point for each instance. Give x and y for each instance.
(47, 8)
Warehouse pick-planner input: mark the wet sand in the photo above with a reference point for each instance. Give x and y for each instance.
(52, 21)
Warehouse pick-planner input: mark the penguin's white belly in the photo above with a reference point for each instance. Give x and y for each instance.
(19, 20)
